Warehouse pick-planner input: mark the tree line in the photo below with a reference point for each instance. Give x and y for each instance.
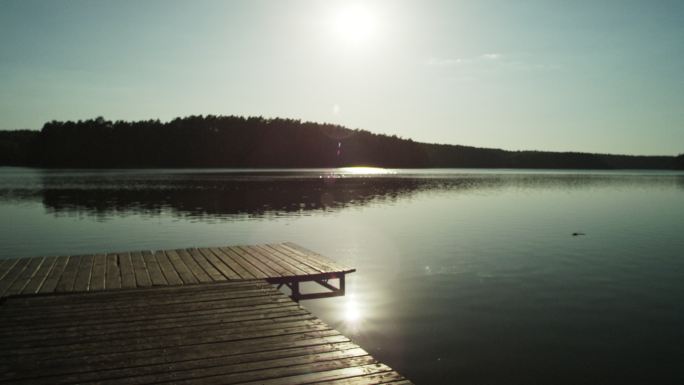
(257, 142)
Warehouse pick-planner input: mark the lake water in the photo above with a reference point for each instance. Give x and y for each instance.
(468, 277)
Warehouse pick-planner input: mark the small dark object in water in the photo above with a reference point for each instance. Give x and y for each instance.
(577, 234)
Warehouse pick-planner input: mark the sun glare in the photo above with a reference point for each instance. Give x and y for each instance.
(352, 312)
(365, 170)
(354, 23)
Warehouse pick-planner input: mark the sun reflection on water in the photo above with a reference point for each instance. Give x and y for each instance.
(352, 312)
(365, 170)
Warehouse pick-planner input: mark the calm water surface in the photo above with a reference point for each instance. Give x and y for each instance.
(468, 277)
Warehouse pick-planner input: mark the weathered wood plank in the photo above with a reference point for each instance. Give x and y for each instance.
(388, 378)
(142, 276)
(99, 273)
(217, 300)
(68, 278)
(164, 303)
(275, 267)
(180, 354)
(113, 273)
(182, 334)
(245, 269)
(312, 255)
(156, 275)
(274, 260)
(6, 265)
(181, 268)
(23, 279)
(237, 369)
(164, 338)
(227, 303)
(152, 307)
(215, 275)
(308, 373)
(92, 367)
(266, 270)
(235, 265)
(164, 312)
(267, 313)
(234, 321)
(329, 371)
(175, 371)
(85, 268)
(240, 331)
(277, 262)
(246, 311)
(13, 274)
(196, 270)
(286, 258)
(300, 257)
(167, 269)
(159, 292)
(248, 331)
(303, 259)
(219, 264)
(126, 268)
(226, 335)
(53, 277)
(161, 328)
(37, 281)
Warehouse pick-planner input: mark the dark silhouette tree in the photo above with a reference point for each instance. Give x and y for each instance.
(679, 162)
(244, 142)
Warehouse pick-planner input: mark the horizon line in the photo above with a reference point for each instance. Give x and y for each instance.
(348, 128)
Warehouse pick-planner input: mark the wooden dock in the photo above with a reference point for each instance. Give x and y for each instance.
(283, 263)
(190, 316)
(227, 333)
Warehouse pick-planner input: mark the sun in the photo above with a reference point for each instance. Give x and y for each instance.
(354, 23)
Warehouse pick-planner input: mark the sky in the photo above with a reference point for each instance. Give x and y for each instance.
(590, 76)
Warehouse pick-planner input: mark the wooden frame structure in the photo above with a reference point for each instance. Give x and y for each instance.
(321, 279)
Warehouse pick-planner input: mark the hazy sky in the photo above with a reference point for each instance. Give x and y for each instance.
(597, 76)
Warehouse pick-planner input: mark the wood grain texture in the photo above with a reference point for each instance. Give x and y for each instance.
(277, 263)
(219, 333)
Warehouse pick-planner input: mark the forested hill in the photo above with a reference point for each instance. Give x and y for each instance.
(231, 141)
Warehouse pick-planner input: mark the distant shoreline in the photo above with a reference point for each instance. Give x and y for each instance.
(421, 170)
(237, 142)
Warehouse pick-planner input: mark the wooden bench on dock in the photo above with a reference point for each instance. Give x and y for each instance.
(190, 316)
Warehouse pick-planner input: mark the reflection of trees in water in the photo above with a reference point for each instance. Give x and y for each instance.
(680, 181)
(265, 195)
(251, 198)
